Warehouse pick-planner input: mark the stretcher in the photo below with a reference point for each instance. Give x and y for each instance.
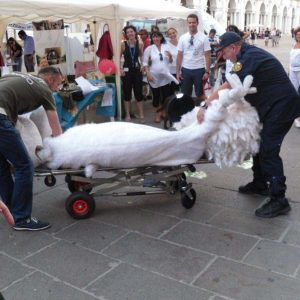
(147, 180)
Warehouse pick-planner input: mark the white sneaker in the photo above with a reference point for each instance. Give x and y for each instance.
(297, 122)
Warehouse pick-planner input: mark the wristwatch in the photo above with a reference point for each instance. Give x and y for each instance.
(203, 104)
(206, 71)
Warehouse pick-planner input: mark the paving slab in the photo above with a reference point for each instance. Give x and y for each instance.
(91, 234)
(174, 261)
(293, 235)
(42, 287)
(240, 281)
(71, 263)
(273, 256)
(132, 218)
(201, 211)
(248, 223)
(129, 282)
(11, 270)
(21, 244)
(210, 239)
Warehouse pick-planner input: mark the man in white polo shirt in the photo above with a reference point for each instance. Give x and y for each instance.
(193, 59)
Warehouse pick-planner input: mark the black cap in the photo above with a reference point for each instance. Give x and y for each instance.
(227, 39)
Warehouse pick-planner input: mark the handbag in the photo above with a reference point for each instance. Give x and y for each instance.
(70, 93)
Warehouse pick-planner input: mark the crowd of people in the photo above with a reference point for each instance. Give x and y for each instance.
(167, 63)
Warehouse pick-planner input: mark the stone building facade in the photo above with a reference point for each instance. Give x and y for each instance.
(253, 14)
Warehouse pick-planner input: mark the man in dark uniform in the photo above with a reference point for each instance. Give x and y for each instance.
(277, 104)
(19, 94)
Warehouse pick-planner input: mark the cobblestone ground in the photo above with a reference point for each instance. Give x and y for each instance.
(150, 247)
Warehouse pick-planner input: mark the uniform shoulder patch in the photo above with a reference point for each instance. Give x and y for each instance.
(237, 66)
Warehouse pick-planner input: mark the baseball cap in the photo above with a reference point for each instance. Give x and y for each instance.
(227, 39)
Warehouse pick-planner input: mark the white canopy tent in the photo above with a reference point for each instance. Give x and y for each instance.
(112, 12)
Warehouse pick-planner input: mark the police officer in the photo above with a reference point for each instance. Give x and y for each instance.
(277, 104)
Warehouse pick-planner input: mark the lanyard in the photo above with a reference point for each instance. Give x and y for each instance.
(132, 54)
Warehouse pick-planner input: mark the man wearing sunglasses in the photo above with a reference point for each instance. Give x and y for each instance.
(19, 94)
(277, 104)
(193, 59)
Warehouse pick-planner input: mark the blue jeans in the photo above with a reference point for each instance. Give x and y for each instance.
(190, 78)
(18, 66)
(17, 193)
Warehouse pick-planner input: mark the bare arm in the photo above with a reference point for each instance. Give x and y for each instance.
(8, 216)
(207, 55)
(178, 64)
(54, 122)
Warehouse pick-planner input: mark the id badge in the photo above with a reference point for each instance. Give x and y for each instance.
(196, 52)
(126, 69)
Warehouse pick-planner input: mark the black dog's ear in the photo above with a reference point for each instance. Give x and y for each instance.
(178, 106)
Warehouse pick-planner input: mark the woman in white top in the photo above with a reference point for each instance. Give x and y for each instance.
(173, 42)
(157, 58)
(295, 66)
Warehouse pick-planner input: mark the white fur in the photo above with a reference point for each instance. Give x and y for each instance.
(39, 117)
(30, 136)
(125, 145)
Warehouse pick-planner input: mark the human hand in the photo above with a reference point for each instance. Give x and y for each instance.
(150, 77)
(205, 76)
(178, 76)
(201, 114)
(7, 215)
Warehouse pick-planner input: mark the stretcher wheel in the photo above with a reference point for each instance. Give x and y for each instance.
(50, 180)
(178, 183)
(80, 205)
(188, 198)
(75, 186)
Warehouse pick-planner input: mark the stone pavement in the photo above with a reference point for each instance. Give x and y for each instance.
(150, 247)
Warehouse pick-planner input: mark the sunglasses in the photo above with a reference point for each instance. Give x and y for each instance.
(160, 57)
(191, 41)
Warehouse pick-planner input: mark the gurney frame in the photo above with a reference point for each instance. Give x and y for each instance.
(146, 180)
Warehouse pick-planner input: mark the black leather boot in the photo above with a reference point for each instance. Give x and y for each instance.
(273, 208)
(254, 188)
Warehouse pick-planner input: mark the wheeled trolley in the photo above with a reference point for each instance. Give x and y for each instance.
(142, 181)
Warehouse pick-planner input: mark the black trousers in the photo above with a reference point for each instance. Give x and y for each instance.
(267, 164)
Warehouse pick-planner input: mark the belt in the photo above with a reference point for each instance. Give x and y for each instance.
(2, 111)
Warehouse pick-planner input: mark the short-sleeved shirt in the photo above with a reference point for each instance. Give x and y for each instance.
(158, 64)
(23, 93)
(29, 46)
(275, 92)
(193, 49)
(174, 52)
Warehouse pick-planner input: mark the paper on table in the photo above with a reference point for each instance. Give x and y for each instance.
(85, 85)
(107, 97)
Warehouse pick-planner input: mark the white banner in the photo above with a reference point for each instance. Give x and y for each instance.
(49, 44)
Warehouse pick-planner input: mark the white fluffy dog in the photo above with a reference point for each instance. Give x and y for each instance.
(126, 145)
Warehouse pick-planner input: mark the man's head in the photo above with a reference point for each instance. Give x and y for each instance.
(230, 45)
(22, 34)
(192, 22)
(52, 76)
(212, 33)
(143, 34)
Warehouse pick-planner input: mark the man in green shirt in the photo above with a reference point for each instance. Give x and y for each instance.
(19, 94)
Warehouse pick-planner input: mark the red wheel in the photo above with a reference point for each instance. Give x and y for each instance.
(80, 205)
